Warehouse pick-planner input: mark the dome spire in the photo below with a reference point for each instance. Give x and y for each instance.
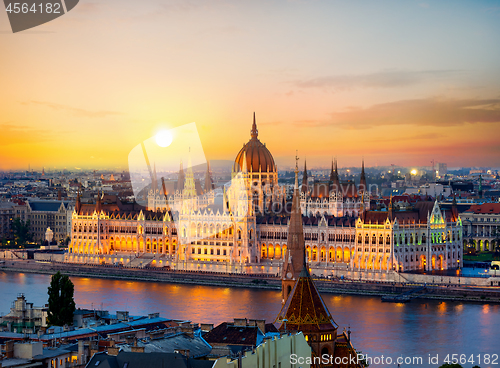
(254, 132)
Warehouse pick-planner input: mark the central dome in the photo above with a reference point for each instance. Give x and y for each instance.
(258, 157)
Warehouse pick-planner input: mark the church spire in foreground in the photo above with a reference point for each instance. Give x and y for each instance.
(303, 308)
(295, 257)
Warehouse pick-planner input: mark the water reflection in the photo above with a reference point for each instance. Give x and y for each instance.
(418, 328)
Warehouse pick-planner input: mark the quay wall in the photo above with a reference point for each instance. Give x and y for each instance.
(447, 288)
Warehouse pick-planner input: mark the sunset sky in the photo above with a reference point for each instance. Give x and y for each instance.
(395, 82)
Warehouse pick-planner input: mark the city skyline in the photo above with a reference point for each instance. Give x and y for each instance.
(395, 83)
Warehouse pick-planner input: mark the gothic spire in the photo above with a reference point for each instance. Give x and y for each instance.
(155, 179)
(78, 205)
(304, 178)
(98, 206)
(390, 209)
(254, 132)
(208, 179)
(334, 177)
(454, 209)
(362, 180)
(180, 179)
(295, 241)
(332, 173)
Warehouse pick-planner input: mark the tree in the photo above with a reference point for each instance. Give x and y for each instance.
(61, 302)
(21, 231)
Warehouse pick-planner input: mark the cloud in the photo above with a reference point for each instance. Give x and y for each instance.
(384, 79)
(73, 110)
(17, 134)
(438, 112)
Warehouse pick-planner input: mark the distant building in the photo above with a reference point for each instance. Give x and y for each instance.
(334, 197)
(418, 238)
(32, 354)
(481, 223)
(7, 213)
(150, 360)
(43, 214)
(441, 169)
(434, 190)
(243, 229)
(24, 317)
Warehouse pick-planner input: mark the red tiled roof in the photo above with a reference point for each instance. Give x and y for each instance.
(304, 309)
(485, 208)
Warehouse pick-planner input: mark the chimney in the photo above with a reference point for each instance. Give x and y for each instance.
(114, 351)
(9, 349)
(240, 322)
(137, 349)
(260, 323)
(80, 351)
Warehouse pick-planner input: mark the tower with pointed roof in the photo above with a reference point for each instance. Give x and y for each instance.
(256, 162)
(189, 185)
(294, 257)
(303, 309)
(304, 179)
(180, 179)
(209, 185)
(362, 180)
(334, 178)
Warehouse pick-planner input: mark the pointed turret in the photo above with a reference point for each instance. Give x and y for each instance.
(189, 183)
(303, 308)
(98, 205)
(332, 174)
(362, 180)
(362, 207)
(295, 258)
(78, 205)
(244, 167)
(334, 178)
(454, 209)
(480, 191)
(209, 185)
(390, 210)
(254, 133)
(180, 179)
(304, 179)
(154, 184)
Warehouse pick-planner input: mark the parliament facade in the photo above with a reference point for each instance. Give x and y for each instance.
(243, 228)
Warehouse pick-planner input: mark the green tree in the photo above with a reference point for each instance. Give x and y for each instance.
(61, 302)
(21, 231)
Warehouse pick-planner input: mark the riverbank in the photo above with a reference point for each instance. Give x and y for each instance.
(258, 281)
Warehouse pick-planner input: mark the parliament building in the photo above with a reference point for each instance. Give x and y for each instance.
(243, 228)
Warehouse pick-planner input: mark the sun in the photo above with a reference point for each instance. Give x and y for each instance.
(163, 138)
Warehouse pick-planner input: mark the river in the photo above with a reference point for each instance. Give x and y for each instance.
(415, 329)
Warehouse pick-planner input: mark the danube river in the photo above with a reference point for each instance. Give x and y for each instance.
(418, 328)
